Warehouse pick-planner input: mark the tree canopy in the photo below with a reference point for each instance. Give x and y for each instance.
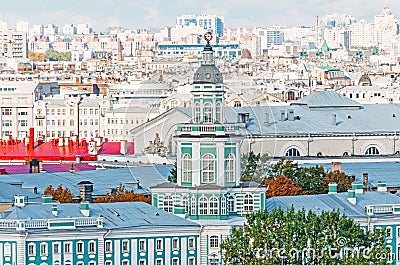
(53, 55)
(300, 237)
(121, 194)
(63, 195)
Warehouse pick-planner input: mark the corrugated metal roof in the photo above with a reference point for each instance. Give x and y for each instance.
(115, 215)
(330, 202)
(324, 99)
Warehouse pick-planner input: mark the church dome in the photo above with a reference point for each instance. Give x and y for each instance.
(208, 74)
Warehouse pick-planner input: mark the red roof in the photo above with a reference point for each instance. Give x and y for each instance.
(50, 168)
(49, 151)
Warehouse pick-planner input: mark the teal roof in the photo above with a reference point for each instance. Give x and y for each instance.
(328, 68)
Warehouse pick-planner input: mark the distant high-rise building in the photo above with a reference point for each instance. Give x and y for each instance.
(274, 36)
(362, 34)
(83, 29)
(386, 28)
(3, 26)
(22, 26)
(69, 29)
(36, 30)
(212, 23)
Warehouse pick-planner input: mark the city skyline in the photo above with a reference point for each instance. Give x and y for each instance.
(155, 14)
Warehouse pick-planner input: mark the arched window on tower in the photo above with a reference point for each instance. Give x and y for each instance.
(186, 168)
(218, 112)
(230, 168)
(223, 205)
(197, 112)
(168, 204)
(185, 204)
(208, 168)
(208, 112)
(193, 206)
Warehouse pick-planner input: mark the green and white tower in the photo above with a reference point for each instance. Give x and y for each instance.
(208, 189)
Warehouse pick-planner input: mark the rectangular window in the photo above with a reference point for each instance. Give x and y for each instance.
(175, 261)
(79, 247)
(67, 247)
(108, 246)
(125, 262)
(159, 262)
(142, 262)
(191, 243)
(125, 246)
(56, 248)
(191, 261)
(175, 244)
(43, 249)
(31, 250)
(23, 123)
(159, 244)
(388, 231)
(6, 111)
(7, 123)
(142, 245)
(92, 247)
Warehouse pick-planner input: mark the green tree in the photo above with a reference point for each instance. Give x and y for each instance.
(253, 166)
(54, 55)
(300, 237)
(173, 174)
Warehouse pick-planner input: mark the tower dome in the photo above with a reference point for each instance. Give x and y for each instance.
(208, 73)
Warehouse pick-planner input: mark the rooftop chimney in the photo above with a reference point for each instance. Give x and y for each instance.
(358, 188)
(332, 188)
(283, 115)
(290, 114)
(266, 119)
(54, 210)
(334, 119)
(365, 180)
(351, 197)
(85, 190)
(85, 209)
(19, 200)
(382, 187)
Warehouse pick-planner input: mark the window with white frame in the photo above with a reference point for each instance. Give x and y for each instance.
(186, 168)
(292, 152)
(92, 247)
(142, 262)
(56, 248)
(79, 247)
(208, 168)
(125, 262)
(191, 244)
(92, 263)
(223, 205)
(159, 244)
(142, 245)
(191, 261)
(218, 112)
(108, 262)
(67, 247)
(208, 112)
(175, 261)
(159, 262)
(125, 246)
(31, 249)
(175, 243)
(213, 206)
(248, 203)
(108, 246)
(197, 112)
(203, 206)
(230, 168)
(168, 204)
(185, 204)
(389, 231)
(231, 204)
(193, 206)
(214, 241)
(43, 249)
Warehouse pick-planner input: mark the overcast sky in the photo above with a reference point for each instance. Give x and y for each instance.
(159, 13)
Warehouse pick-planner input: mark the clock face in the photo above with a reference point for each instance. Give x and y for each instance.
(208, 36)
(208, 75)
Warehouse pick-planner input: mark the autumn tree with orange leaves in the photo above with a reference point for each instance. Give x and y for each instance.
(60, 194)
(121, 194)
(281, 186)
